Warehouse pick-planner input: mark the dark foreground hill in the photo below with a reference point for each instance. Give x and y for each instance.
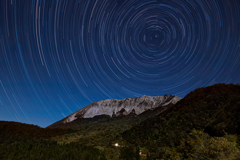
(203, 125)
(16, 128)
(20, 141)
(207, 117)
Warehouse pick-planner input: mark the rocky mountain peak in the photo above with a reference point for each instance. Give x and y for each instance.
(124, 107)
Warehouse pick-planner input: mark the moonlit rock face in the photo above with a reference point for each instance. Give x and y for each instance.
(113, 107)
(71, 118)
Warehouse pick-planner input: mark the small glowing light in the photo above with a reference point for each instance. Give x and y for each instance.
(116, 144)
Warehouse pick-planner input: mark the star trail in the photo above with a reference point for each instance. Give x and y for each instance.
(57, 56)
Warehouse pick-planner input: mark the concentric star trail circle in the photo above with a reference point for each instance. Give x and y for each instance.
(57, 56)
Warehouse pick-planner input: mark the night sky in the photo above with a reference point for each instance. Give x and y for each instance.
(57, 56)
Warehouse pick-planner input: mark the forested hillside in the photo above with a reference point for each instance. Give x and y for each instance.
(203, 125)
(207, 117)
(27, 142)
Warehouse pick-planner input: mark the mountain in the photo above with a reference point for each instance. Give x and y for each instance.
(129, 107)
(205, 123)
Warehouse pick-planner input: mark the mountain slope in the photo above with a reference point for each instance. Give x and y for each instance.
(129, 107)
(214, 110)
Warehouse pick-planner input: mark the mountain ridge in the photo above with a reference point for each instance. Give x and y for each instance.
(120, 108)
(205, 113)
(204, 124)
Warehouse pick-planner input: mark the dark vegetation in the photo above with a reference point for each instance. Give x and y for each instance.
(27, 142)
(203, 125)
(27, 148)
(15, 128)
(204, 115)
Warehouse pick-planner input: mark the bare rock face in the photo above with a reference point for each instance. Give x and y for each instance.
(125, 107)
